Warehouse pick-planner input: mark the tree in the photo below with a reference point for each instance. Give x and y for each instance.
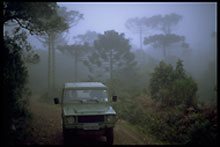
(143, 25)
(111, 52)
(63, 20)
(165, 41)
(30, 16)
(166, 38)
(26, 17)
(89, 37)
(167, 22)
(14, 79)
(136, 26)
(180, 72)
(81, 48)
(77, 51)
(172, 87)
(162, 78)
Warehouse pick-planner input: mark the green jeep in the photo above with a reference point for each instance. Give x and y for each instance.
(86, 108)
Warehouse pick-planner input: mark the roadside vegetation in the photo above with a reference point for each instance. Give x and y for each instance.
(170, 110)
(21, 20)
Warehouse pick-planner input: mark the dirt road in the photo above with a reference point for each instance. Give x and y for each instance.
(47, 129)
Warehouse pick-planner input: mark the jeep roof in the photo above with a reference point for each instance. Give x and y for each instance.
(84, 85)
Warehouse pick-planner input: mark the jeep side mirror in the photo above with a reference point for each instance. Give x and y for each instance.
(56, 100)
(114, 98)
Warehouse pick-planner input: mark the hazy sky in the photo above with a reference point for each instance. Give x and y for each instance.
(199, 19)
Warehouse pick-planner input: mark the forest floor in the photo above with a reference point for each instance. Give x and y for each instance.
(47, 129)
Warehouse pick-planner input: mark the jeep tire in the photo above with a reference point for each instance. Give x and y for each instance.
(109, 136)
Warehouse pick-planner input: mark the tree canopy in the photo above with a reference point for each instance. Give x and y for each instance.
(167, 22)
(89, 37)
(33, 16)
(172, 86)
(165, 39)
(112, 51)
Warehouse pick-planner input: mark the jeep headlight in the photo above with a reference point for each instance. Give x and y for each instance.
(110, 118)
(69, 120)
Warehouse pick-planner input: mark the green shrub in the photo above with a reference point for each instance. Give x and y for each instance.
(183, 91)
(203, 128)
(128, 109)
(172, 87)
(162, 78)
(176, 127)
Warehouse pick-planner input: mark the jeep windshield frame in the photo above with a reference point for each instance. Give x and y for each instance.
(81, 88)
(85, 95)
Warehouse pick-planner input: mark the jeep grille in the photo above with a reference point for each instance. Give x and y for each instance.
(90, 119)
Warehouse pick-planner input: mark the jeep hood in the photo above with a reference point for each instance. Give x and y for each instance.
(87, 109)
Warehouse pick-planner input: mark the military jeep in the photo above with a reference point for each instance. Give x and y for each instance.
(86, 108)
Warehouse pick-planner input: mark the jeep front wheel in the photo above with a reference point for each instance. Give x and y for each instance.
(109, 136)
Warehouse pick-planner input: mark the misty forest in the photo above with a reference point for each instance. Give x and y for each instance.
(159, 59)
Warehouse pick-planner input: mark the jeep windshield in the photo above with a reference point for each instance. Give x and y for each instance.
(85, 96)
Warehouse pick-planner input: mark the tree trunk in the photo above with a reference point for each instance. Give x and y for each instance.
(75, 66)
(141, 37)
(49, 65)
(111, 74)
(111, 65)
(53, 60)
(164, 52)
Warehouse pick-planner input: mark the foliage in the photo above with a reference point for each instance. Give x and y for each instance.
(74, 50)
(20, 37)
(185, 122)
(207, 83)
(142, 25)
(127, 109)
(162, 77)
(184, 91)
(89, 37)
(113, 48)
(172, 87)
(32, 16)
(156, 22)
(111, 54)
(164, 40)
(190, 128)
(166, 22)
(14, 80)
(77, 51)
(58, 22)
(171, 125)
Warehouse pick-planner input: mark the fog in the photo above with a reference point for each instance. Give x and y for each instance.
(157, 58)
(198, 22)
(197, 25)
(199, 19)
